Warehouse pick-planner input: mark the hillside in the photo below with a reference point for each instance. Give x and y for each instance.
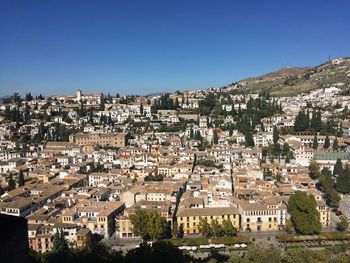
(295, 80)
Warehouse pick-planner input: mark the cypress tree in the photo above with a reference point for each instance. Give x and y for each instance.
(315, 143)
(215, 137)
(21, 178)
(249, 141)
(340, 131)
(335, 145)
(326, 143)
(338, 167)
(275, 135)
(11, 183)
(343, 181)
(141, 109)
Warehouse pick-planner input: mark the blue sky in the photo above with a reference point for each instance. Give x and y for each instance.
(139, 47)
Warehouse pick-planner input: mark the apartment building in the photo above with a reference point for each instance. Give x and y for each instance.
(189, 218)
(263, 139)
(99, 217)
(40, 237)
(259, 216)
(98, 138)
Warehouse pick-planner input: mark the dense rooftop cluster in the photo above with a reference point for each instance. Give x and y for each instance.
(213, 162)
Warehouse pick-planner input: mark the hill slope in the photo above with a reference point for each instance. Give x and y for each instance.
(295, 80)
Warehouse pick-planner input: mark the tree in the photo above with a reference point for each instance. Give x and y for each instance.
(180, 232)
(314, 170)
(249, 141)
(149, 225)
(301, 122)
(343, 181)
(102, 104)
(215, 137)
(326, 143)
(340, 131)
(205, 228)
(263, 255)
(156, 226)
(335, 145)
(21, 178)
(275, 135)
(264, 153)
(332, 198)
(262, 127)
(228, 228)
(60, 244)
(216, 228)
(29, 97)
(159, 252)
(338, 167)
(315, 142)
(81, 110)
(139, 222)
(302, 254)
(304, 214)
(285, 149)
(141, 109)
(11, 183)
(342, 225)
(316, 122)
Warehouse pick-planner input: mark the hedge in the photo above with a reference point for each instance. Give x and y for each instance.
(227, 240)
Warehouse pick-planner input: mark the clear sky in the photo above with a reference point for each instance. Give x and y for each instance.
(140, 47)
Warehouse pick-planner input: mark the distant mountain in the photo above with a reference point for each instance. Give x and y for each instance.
(295, 80)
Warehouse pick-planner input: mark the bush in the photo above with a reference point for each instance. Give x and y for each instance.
(335, 236)
(231, 240)
(189, 241)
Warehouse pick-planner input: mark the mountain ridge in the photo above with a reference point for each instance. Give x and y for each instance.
(289, 81)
